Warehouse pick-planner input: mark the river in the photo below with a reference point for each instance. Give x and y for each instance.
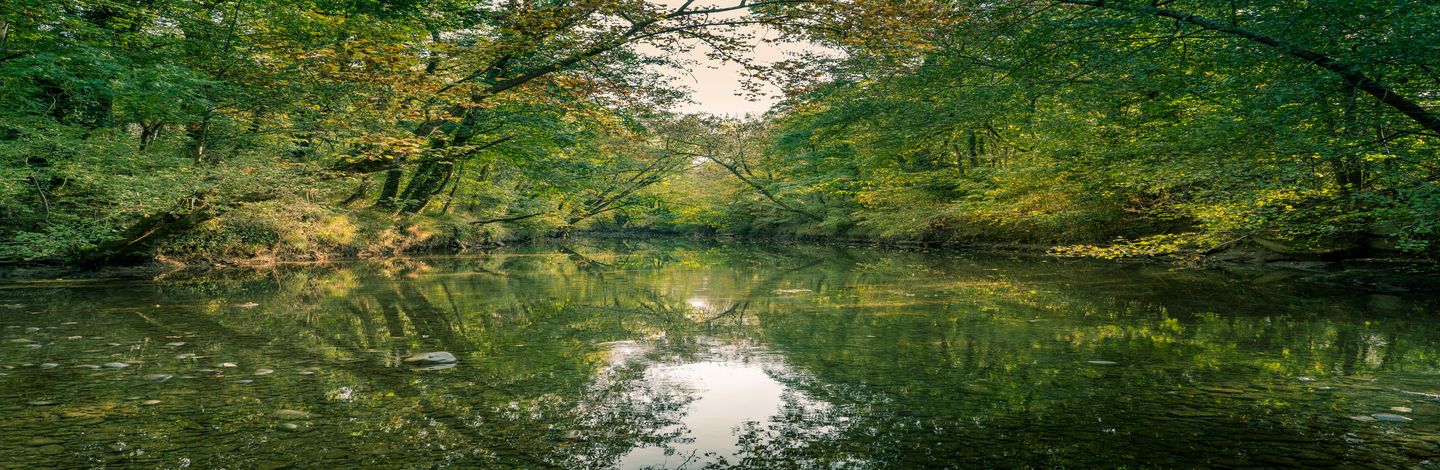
(684, 354)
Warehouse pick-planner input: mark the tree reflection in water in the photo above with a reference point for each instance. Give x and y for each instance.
(672, 354)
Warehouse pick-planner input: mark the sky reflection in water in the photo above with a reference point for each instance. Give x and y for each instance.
(685, 354)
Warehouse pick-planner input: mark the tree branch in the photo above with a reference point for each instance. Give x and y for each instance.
(1346, 71)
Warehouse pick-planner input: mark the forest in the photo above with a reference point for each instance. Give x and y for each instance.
(263, 130)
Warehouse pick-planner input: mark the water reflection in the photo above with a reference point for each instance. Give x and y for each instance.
(732, 389)
(640, 354)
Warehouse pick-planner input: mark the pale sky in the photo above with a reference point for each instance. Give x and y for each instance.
(715, 86)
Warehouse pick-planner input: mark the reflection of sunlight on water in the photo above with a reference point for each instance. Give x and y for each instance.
(731, 388)
(699, 303)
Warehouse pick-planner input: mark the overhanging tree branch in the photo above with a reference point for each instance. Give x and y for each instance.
(1348, 72)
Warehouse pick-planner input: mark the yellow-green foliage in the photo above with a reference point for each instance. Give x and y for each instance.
(280, 229)
(297, 229)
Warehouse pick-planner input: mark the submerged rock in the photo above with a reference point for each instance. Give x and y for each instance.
(291, 414)
(1433, 396)
(1390, 418)
(429, 358)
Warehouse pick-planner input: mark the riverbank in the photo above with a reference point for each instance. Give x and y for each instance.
(1249, 262)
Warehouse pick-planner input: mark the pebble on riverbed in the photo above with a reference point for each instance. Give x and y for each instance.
(431, 358)
(1390, 418)
(291, 414)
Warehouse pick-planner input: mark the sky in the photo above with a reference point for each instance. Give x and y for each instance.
(715, 85)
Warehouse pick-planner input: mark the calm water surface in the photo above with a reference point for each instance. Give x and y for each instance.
(665, 354)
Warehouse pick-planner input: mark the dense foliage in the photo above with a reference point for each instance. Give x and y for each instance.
(301, 129)
(245, 128)
(1172, 126)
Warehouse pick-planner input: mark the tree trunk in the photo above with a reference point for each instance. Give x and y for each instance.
(390, 189)
(973, 149)
(134, 243)
(1348, 167)
(148, 133)
(199, 134)
(454, 187)
(428, 179)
